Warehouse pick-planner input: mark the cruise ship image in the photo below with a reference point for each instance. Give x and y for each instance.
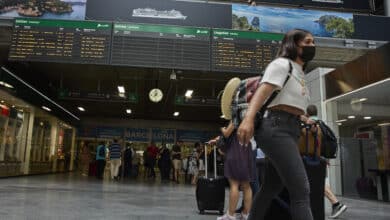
(153, 13)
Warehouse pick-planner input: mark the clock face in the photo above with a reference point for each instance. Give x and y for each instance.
(155, 95)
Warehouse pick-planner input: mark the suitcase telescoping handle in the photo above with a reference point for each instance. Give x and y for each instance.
(215, 160)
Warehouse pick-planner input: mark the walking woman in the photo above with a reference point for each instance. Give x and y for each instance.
(279, 130)
(238, 169)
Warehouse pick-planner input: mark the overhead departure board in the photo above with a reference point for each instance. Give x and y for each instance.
(161, 46)
(243, 51)
(61, 41)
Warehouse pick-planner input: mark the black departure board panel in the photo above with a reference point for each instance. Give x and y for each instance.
(161, 46)
(243, 51)
(61, 41)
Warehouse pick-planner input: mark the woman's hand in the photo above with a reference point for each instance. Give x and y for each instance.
(245, 131)
(246, 128)
(213, 141)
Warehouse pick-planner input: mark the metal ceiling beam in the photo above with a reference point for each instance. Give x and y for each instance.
(347, 43)
(6, 22)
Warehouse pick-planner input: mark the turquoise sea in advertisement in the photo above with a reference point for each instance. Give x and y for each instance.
(78, 13)
(281, 20)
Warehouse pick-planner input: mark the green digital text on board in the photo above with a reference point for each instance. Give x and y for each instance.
(63, 23)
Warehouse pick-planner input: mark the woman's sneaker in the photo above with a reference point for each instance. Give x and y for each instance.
(227, 217)
(338, 210)
(244, 216)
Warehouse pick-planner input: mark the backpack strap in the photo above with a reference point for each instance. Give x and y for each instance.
(316, 144)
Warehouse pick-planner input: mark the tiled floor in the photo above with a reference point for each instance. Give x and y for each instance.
(69, 196)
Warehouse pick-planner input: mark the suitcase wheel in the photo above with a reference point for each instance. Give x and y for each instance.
(221, 212)
(201, 212)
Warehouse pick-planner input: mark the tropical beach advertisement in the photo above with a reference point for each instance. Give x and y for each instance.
(48, 9)
(281, 20)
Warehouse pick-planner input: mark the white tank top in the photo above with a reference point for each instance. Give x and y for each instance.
(295, 92)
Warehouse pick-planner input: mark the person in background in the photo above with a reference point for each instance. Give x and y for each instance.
(164, 162)
(238, 169)
(101, 153)
(176, 160)
(127, 160)
(151, 157)
(136, 161)
(115, 159)
(85, 158)
(193, 169)
(201, 161)
(337, 207)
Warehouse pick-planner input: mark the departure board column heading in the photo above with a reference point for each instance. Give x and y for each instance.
(243, 51)
(161, 46)
(161, 29)
(61, 41)
(247, 35)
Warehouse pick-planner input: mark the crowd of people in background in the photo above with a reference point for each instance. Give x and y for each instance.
(178, 163)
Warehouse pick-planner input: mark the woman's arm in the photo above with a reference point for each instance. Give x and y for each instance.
(227, 131)
(246, 128)
(309, 121)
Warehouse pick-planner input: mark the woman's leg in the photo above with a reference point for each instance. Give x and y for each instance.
(112, 166)
(286, 167)
(233, 196)
(270, 188)
(246, 188)
(329, 194)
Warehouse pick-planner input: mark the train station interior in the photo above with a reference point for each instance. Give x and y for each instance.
(77, 74)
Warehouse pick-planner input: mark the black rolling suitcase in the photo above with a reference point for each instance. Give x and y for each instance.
(316, 172)
(210, 191)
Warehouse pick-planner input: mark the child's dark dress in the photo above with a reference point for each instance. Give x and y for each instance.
(238, 160)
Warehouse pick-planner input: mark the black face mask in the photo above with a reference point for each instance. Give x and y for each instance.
(308, 53)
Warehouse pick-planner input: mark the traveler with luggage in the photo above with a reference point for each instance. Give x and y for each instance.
(101, 152)
(337, 207)
(279, 129)
(239, 168)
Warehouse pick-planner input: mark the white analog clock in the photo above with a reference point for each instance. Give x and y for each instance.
(155, 95)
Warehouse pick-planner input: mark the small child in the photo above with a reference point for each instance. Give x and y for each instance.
(238, 168)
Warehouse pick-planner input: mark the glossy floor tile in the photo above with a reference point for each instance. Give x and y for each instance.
(70, 196)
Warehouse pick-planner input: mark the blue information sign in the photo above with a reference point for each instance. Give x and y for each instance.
(110, 132)
(87, 132)
(195, 135)
(137, 134)
(163, 135)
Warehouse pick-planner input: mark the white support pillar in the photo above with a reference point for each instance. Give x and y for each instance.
(329, 116)
(2, 144)
(53, 142)
(335, 176)
(24, 140)
(73, 149)
(386, 5)
(26, 162)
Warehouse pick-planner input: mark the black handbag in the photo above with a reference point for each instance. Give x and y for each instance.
(221, 143)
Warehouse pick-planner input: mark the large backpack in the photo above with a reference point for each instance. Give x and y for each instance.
(328, 141)
(244, 93)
